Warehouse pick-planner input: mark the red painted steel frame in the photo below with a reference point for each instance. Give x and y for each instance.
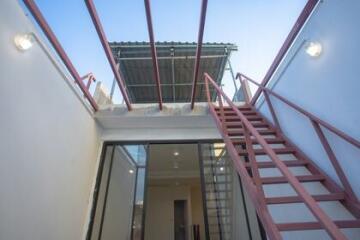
(90, 77)
(198, 50)
(324, 220)
(306, 113)
(316, 122)
(30, 4)
(153, 51)
(104, 42)
(309, 7)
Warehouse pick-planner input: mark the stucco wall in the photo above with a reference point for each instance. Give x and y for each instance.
(48, 142)
(327, 86)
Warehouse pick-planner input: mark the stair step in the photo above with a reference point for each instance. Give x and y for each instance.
(303, 178)
(268, 140)
(289, 163)
(296, 199)
(316, 225)
(232, 113)
(241, 132)
(242, 108)
(239, 124)
(236, 118)
(262, 151)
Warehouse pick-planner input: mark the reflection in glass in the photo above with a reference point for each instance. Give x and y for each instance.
(121, 185)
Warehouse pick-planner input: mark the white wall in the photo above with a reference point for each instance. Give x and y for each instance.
(327, 86)
(48, 142)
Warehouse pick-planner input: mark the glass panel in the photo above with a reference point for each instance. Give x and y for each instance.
(218, 187)
(119, 208)
(139, 205)
(137, 153)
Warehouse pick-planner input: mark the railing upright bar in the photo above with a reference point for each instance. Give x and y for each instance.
(272, 111)
(309, 115)
(334, 161)
(311, 203)
(221, 106)
(246, 94)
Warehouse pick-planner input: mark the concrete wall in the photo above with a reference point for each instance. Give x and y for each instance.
(48, 142)
(327, 86)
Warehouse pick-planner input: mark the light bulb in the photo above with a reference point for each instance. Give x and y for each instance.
(23, 41)
(313, 49)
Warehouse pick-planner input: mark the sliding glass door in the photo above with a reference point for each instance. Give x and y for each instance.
(119, 195)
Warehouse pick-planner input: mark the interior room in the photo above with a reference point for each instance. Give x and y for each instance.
(174, 206)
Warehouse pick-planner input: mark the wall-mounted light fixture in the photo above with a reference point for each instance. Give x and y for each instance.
(131, 171)
(24, 41)
(176, 153)
(313, 49)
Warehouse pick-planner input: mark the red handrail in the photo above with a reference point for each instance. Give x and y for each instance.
(311, 203)
(301, 110)
(304, 15)
(316, 122)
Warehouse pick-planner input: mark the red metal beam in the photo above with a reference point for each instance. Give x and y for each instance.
(309, 7)
(153, 51)
(198, 50)
(104, 42)
(30, 4)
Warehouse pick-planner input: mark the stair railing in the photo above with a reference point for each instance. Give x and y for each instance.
(317, 123)
(258, 201)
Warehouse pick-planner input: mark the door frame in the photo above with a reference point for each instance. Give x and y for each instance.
(146, 143)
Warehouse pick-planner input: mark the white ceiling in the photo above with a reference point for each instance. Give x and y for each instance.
(162, 161)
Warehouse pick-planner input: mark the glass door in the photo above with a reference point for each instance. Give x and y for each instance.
(120, 189)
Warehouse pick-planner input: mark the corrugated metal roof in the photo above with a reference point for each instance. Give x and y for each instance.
(176, 65)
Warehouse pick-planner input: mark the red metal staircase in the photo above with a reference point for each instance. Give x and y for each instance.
(264, 157)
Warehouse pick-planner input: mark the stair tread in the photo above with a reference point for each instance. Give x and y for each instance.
(316, 225)
(301, 178)
(262, 151)
(297, 199)
(289, 163)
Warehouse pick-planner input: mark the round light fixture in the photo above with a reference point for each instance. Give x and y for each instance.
(313, 49)
(23, 41)
(221, 169)
(131, 171)
(176, 153)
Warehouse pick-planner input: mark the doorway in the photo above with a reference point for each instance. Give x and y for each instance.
(180, 221)
(174, 203)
